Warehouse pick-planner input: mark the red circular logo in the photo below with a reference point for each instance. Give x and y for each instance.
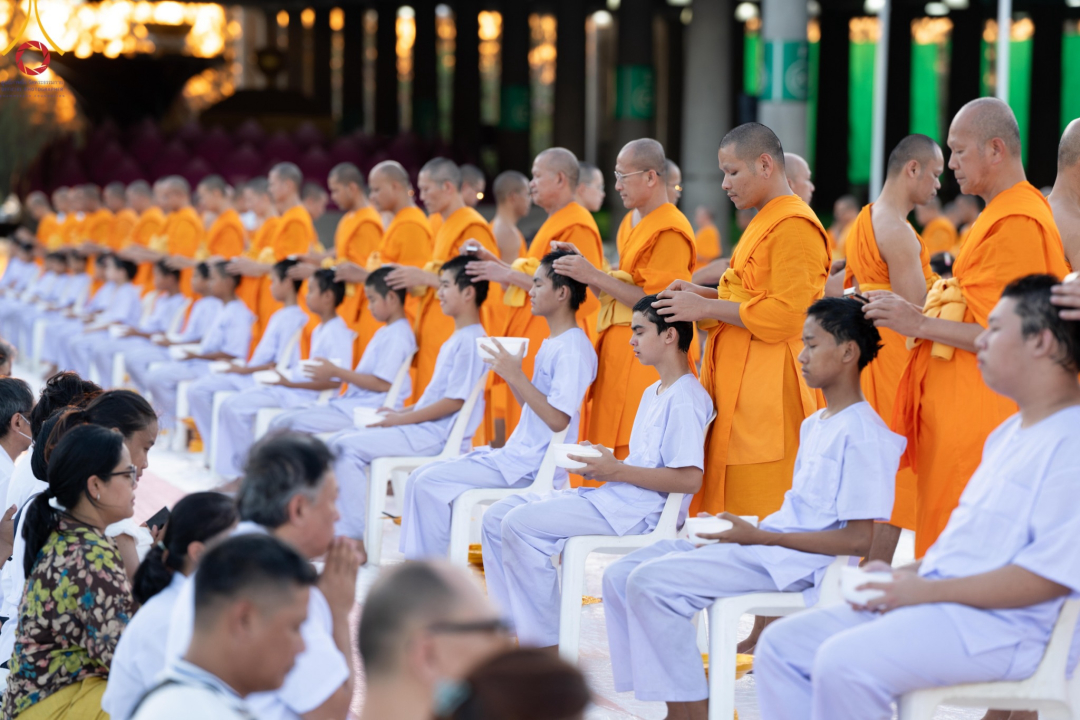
(32, 45)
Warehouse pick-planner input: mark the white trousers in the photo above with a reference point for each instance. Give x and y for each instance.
(161, 382)
(355, 449)
(201, 396)
(103, 354)
(81, 350)
(840, 664)
(650, 598)
(334, 416)
(520, 536)
(137, 362)
(236, 423)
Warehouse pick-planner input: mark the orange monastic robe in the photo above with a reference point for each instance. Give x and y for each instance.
(251, 289)
(572, 224)
(708, 244)
(149, 223)
(435, 221)
(182, 235)
(943, 406)
(652, 254)
(432, 327)
(939, 235)
(357, 236)
(881, 377)
(777, 270)
(71, 230)
(97, 226)
(48, 232)
(225, 238)
(295, 236)
(122, 226)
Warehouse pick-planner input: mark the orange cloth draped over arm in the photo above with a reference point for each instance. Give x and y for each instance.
(357, 237)
(122, 227)
(708, 244)
(943, 406)
(777, 270)
(251, 289)
(295, 236)
(656, 252)
(149, 224)
(225, 237)
(184, 234)
(432, 327)
(48, 232)
(939, 236)
(571, 224)
(881, 378)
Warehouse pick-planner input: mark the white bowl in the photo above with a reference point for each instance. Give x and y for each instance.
(117, 331)
(220, 366)
(180, 352)
(563, 450)
(158, 337)
(1071, 276)
(854, 577)
(174, 337)
(266, 377)
(697, 525)
(512, 345)
(365, 416)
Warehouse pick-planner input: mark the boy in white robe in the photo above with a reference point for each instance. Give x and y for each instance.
(522, 533)
(367, 385)
(280, 343)
(844, 480)
(423, 428)
(982, 603)
(72, 321)
(565, 367)
(17, 326)
(200, 317)
(332, 338)
(124, 308)
(227, 338)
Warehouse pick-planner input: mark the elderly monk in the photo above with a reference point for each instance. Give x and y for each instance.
(654, 252)
(124, 218)
(707, 238)
(472, 185)
(512, 204)
(943, 406)
(885, 253)
(938, 232)
(1065, 197)
(590, 190)
(461, 229)
(554, 182)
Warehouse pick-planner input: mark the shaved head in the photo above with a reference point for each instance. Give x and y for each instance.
(561, 160)
(797, 171)
(472, 175)
(141, 188)
(213, 183)
(989, 118)
(919, 148)
(290, 172)
(177, 184)
(847, 202)
(91, 192)
(509, 183)
(645, 154)
(348, 174)
(313, 191)
(442, 170)
(258, 185)
(1069, 147)
(115, 189)
(37, 199)
(752, 140)
(392, 171)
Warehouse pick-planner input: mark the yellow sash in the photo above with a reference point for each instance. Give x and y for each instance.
(613, 312)
(946, 301)
(730, 288)
(432, 266)
(159, 243)
(515, 296)
(374, 261)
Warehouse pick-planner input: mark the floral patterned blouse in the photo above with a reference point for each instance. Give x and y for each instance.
(76, 602)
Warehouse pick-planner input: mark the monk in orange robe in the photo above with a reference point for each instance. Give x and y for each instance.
(938, 234)
(257, 195)
(966, 210)
(48, 228)
(845, 209)
(226, 236)
(707, 238)
(97, 224)
(440, 189)
(885, 253)
(183, 232)
(1064, 199)
(149, 223)
(778, 269)
(512, 204)
(553, 187)
(653, 253)
(124, 218)
(943, 406)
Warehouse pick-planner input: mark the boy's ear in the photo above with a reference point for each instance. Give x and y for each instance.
(851, 351)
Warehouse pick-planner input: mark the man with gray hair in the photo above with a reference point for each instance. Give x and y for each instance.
(289, 491)
(424, 626)
(16, 404)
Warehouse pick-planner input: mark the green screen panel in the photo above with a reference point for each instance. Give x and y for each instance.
(925, 108)
(752, 60)
(860, 110)
(1020, 87)
(812, 102)
(1070, 74)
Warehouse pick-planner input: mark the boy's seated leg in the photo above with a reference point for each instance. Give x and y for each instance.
(841, 664)
(138, 361)
(315, 419)
(531, 535)
(659, 598)
(491, 543)
(429, 494)
(236, 426)
(353, 451)
(161, 383)
(201, 397)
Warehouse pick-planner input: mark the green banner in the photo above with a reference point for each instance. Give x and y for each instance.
(1070, 77)
(787, 70)
(925, 115)
(860, 110)
(514, 114)
(635, 92)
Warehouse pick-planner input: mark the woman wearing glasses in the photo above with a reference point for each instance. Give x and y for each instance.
(77, 598)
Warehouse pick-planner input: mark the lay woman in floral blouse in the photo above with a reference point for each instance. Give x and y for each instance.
(77, 599)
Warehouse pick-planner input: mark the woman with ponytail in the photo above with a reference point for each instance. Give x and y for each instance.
(77, 598)
(196, 521)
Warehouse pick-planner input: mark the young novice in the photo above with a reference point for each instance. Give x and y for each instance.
(844, 479)
(199, 319)
(332, 338)
(423, 428)
(982, 603)
(124, 308)
(521, 533)
(280, 339)
(389, 348)
(169, 302)
(227, 338)
(565, 367)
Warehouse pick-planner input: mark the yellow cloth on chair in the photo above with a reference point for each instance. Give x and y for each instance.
(78, 701)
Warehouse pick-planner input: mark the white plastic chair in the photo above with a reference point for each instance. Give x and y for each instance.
(1047, 690)
(119, 369)
(384, 467)
(724, 615)
(466, 503)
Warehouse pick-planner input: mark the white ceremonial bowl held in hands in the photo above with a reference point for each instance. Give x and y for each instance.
(854, 577)
(564, 450)
(366, 416)
(117, 331)
(180, 352)
(512, 345)
(695, 526)
(267, 377)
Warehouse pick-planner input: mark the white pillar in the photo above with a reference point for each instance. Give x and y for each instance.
(1004, 34)
(881, 90)
(783, 102)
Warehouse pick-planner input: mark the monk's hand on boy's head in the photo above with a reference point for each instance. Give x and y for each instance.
(478, 251)
(741, 532)
(887, 309)
(349, 272)
(560, 246)
(905, 589)
(574, 266)
(681, 306)
(301, 271)
(1067, 297)
(604, 468)
(506, 364)
(404, 277)
(487, 270)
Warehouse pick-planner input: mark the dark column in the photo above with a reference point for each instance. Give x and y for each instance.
(352, 91)
(676, 54)
(294, 61)
(963, 74)
(635, 76)
(898, 95)
(322, 58)
(425, 91)
(466, 126)
(1045, 128)
(832, 150)
(514, 109)
(386, 79)
(570, 77)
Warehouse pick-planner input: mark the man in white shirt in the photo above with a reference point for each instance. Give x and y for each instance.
(251, 600)
(16, 404)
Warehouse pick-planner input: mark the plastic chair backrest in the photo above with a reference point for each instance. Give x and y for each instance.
(149, 300)
(177, 319)
(293, 344)
(1056, 657)
(461, 421)
(545, 476)
(668, 523)
(399, 382)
